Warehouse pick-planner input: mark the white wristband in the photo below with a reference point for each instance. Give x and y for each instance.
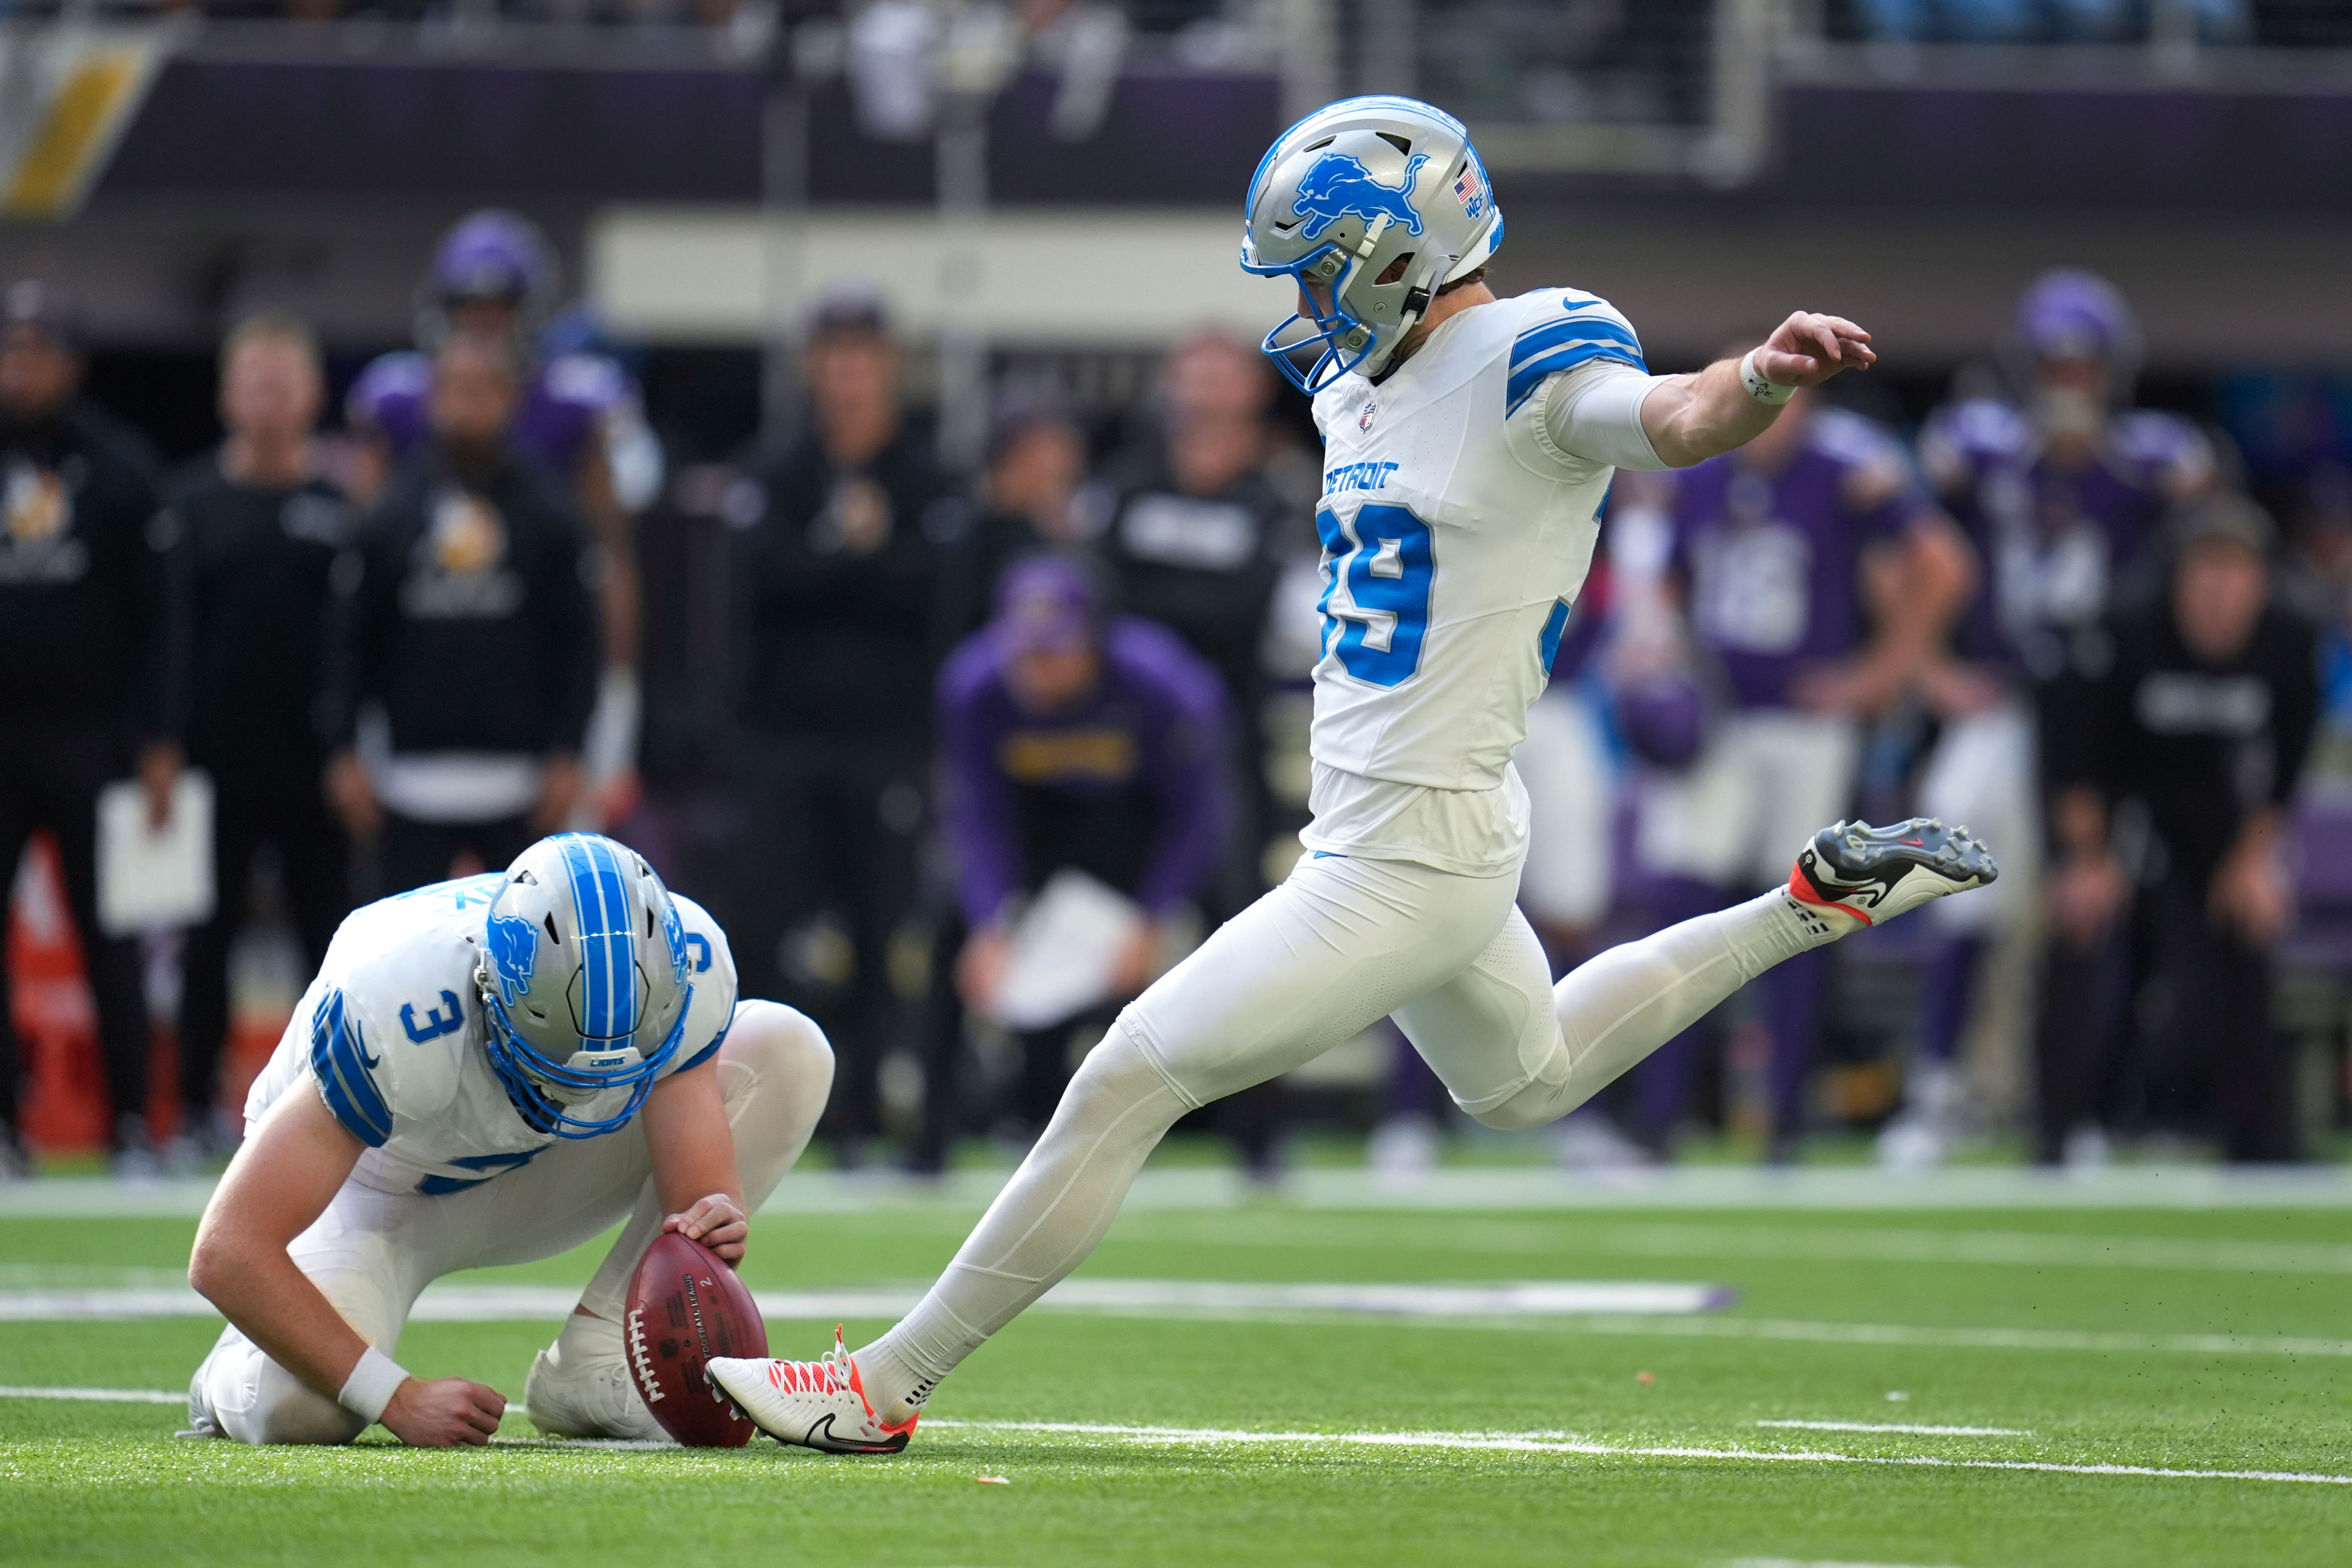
(1762, 387)
(372, 1385)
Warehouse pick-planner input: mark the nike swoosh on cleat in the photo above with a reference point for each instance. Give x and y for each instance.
(1920, 842)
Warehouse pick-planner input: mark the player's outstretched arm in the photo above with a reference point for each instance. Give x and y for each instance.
(279, 1183)
(693, 1153)
(1690, 418)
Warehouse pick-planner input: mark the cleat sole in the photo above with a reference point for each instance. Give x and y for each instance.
(1856, 852)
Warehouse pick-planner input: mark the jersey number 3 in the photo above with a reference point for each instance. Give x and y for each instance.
(1384, 554)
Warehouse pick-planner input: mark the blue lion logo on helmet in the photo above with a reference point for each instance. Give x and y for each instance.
(1339, 186)
(512, 944)
(674, 932)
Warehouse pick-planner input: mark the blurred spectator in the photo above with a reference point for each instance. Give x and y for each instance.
(252, 534)
(2055, 497)
(1036, 461)
(580, 423)
(1068, 740)
(1787, 549)
(2195, 712)
(848, 583)
(471, 621)
(78, 669)
(1194, 536)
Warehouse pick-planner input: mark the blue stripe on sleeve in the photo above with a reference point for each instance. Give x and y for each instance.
(339, 1061)
(1592, 329)
(1527, 378)
(1548, 644)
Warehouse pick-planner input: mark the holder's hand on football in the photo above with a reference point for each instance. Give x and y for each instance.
(445, 1413)
(716, 1222)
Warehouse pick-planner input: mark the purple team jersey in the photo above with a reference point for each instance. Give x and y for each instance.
(1153, 727)
(2052, 542)
(1772, 559)
(563, 409)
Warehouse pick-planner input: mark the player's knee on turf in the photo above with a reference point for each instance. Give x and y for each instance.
(281, 1408)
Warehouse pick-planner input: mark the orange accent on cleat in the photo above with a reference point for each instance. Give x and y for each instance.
(1801, 888)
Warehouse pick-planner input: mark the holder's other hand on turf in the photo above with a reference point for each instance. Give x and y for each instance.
(445, 1413)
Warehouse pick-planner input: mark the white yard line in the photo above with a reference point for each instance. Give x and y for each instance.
(460, 1303)
(1542, 1443)
(1471, 1442)
(1800, 1562)
(98, 1395)
(1898, 1426)
(1547, 1307)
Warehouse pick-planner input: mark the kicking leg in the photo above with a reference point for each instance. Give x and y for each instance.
(1340, 943)
(1622, 1004)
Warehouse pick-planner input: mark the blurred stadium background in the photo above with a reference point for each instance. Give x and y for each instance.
(1038, 201)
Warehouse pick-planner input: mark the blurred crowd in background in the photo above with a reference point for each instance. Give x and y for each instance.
(983, 752)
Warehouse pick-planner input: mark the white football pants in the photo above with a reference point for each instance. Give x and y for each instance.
(372, 1253)
(1342, 942)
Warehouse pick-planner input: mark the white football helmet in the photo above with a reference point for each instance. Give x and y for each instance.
(584, 981)
(1370, 205)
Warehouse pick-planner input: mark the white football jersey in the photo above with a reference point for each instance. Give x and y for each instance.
(393, 1010)
(1455, 535)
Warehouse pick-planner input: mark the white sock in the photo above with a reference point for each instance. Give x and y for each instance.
(1041, 1227)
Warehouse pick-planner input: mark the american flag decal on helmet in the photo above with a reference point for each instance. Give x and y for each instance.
(1470, 189)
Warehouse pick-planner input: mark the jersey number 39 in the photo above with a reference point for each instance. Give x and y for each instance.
(1384, 554)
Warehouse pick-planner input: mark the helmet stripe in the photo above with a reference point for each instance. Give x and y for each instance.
(607, 959)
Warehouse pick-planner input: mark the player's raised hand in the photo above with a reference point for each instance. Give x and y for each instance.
(1809, 348)
(716, 1222)
(445, 1413)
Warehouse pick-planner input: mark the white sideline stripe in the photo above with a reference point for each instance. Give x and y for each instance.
(508, 1303)
(1804, 1562)
(2185, 1187)
(1544, 1443)
(1578, 1236)
(498, 1303)
(1899, 1426)
(98, 1395)
(1486, 1442)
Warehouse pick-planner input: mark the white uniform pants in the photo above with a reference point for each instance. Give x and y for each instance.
(1341, 942)
(372, 1253)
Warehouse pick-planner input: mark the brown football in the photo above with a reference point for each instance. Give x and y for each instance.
(685, 1307)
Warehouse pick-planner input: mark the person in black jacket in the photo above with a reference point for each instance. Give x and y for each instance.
(470, 621)
(849, 603)
(2189, 717)
(78, 669)
(1194, 540)
(251, 534)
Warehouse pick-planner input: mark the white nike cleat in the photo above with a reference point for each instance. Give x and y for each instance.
(1876, 873)
(813, 1404)
(579, 1387)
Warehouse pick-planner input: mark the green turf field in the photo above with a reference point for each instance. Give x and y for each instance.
(2085, 1343)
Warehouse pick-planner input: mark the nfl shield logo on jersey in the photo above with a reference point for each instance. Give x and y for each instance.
(1364, 420)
